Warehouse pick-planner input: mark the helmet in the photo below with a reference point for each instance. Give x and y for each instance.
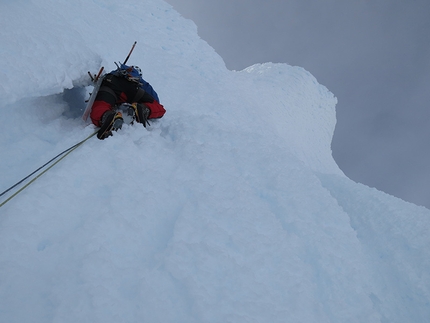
(138, 70)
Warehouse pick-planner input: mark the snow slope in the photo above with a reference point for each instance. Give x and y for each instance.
(228, 209)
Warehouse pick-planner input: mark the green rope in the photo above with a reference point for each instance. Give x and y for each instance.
(67, 151)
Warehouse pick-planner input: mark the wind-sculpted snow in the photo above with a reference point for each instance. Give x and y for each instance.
(228, 209)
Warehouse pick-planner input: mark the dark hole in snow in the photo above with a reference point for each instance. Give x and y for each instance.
(75, 100)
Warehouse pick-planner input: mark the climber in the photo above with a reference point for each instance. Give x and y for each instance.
(124, 85)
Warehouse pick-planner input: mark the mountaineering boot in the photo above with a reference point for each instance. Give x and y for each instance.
(111, 121)
(141, 113)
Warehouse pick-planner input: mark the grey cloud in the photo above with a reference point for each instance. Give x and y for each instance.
(373, 55)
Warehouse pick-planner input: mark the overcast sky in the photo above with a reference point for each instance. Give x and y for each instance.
(374, 55)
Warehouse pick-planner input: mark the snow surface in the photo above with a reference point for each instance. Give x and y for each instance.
(229, 209)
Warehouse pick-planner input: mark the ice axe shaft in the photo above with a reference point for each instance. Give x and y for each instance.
(95, 77)
(131, 50)
(99, 74)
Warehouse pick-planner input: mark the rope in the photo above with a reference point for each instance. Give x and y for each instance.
(65, 153)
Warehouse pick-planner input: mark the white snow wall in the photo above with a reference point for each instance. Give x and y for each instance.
(230, 208)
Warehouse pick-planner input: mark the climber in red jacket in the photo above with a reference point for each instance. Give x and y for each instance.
(124, 85)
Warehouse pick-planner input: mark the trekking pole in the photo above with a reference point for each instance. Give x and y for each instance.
(128, 56)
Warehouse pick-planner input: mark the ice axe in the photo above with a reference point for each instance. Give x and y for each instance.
(131, 50)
